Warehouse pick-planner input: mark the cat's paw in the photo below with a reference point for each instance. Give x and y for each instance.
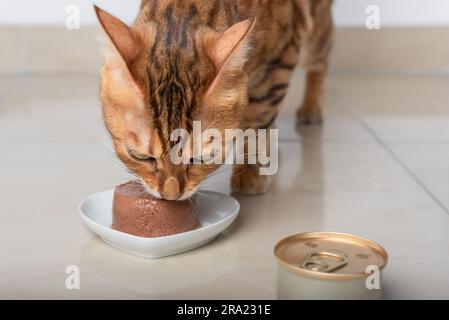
(247, 180)
(309, 115)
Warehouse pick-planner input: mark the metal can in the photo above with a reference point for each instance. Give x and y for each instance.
(329, 265)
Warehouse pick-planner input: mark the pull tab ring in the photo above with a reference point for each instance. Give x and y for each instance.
(315, 261)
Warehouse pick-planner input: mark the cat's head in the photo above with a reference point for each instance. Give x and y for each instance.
(162, 76)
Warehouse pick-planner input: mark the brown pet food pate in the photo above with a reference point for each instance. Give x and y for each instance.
(138, 213)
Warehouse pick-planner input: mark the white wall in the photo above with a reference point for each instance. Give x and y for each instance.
(347, 12)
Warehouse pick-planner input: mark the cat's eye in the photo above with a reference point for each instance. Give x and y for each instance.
(196, 160)
(141, 157)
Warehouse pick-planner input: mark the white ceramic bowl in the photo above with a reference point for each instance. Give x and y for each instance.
(216, 212)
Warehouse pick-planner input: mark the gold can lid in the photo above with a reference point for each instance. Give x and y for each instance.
(329, 255)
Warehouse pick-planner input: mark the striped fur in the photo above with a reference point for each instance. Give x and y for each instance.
(177, 64)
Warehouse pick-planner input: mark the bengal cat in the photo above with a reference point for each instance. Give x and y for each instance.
(226, 63)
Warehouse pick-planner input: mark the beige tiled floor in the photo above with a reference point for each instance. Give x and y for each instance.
(379, 168)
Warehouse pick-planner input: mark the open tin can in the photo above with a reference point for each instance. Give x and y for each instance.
(329, 265)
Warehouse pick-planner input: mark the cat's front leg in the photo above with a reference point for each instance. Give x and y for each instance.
(246, 179)
(252, 177)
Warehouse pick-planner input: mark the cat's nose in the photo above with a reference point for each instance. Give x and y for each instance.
(170, 190)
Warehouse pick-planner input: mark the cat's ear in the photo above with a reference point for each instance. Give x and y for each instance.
(231, 47)
(229, 50)
(126, 42)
